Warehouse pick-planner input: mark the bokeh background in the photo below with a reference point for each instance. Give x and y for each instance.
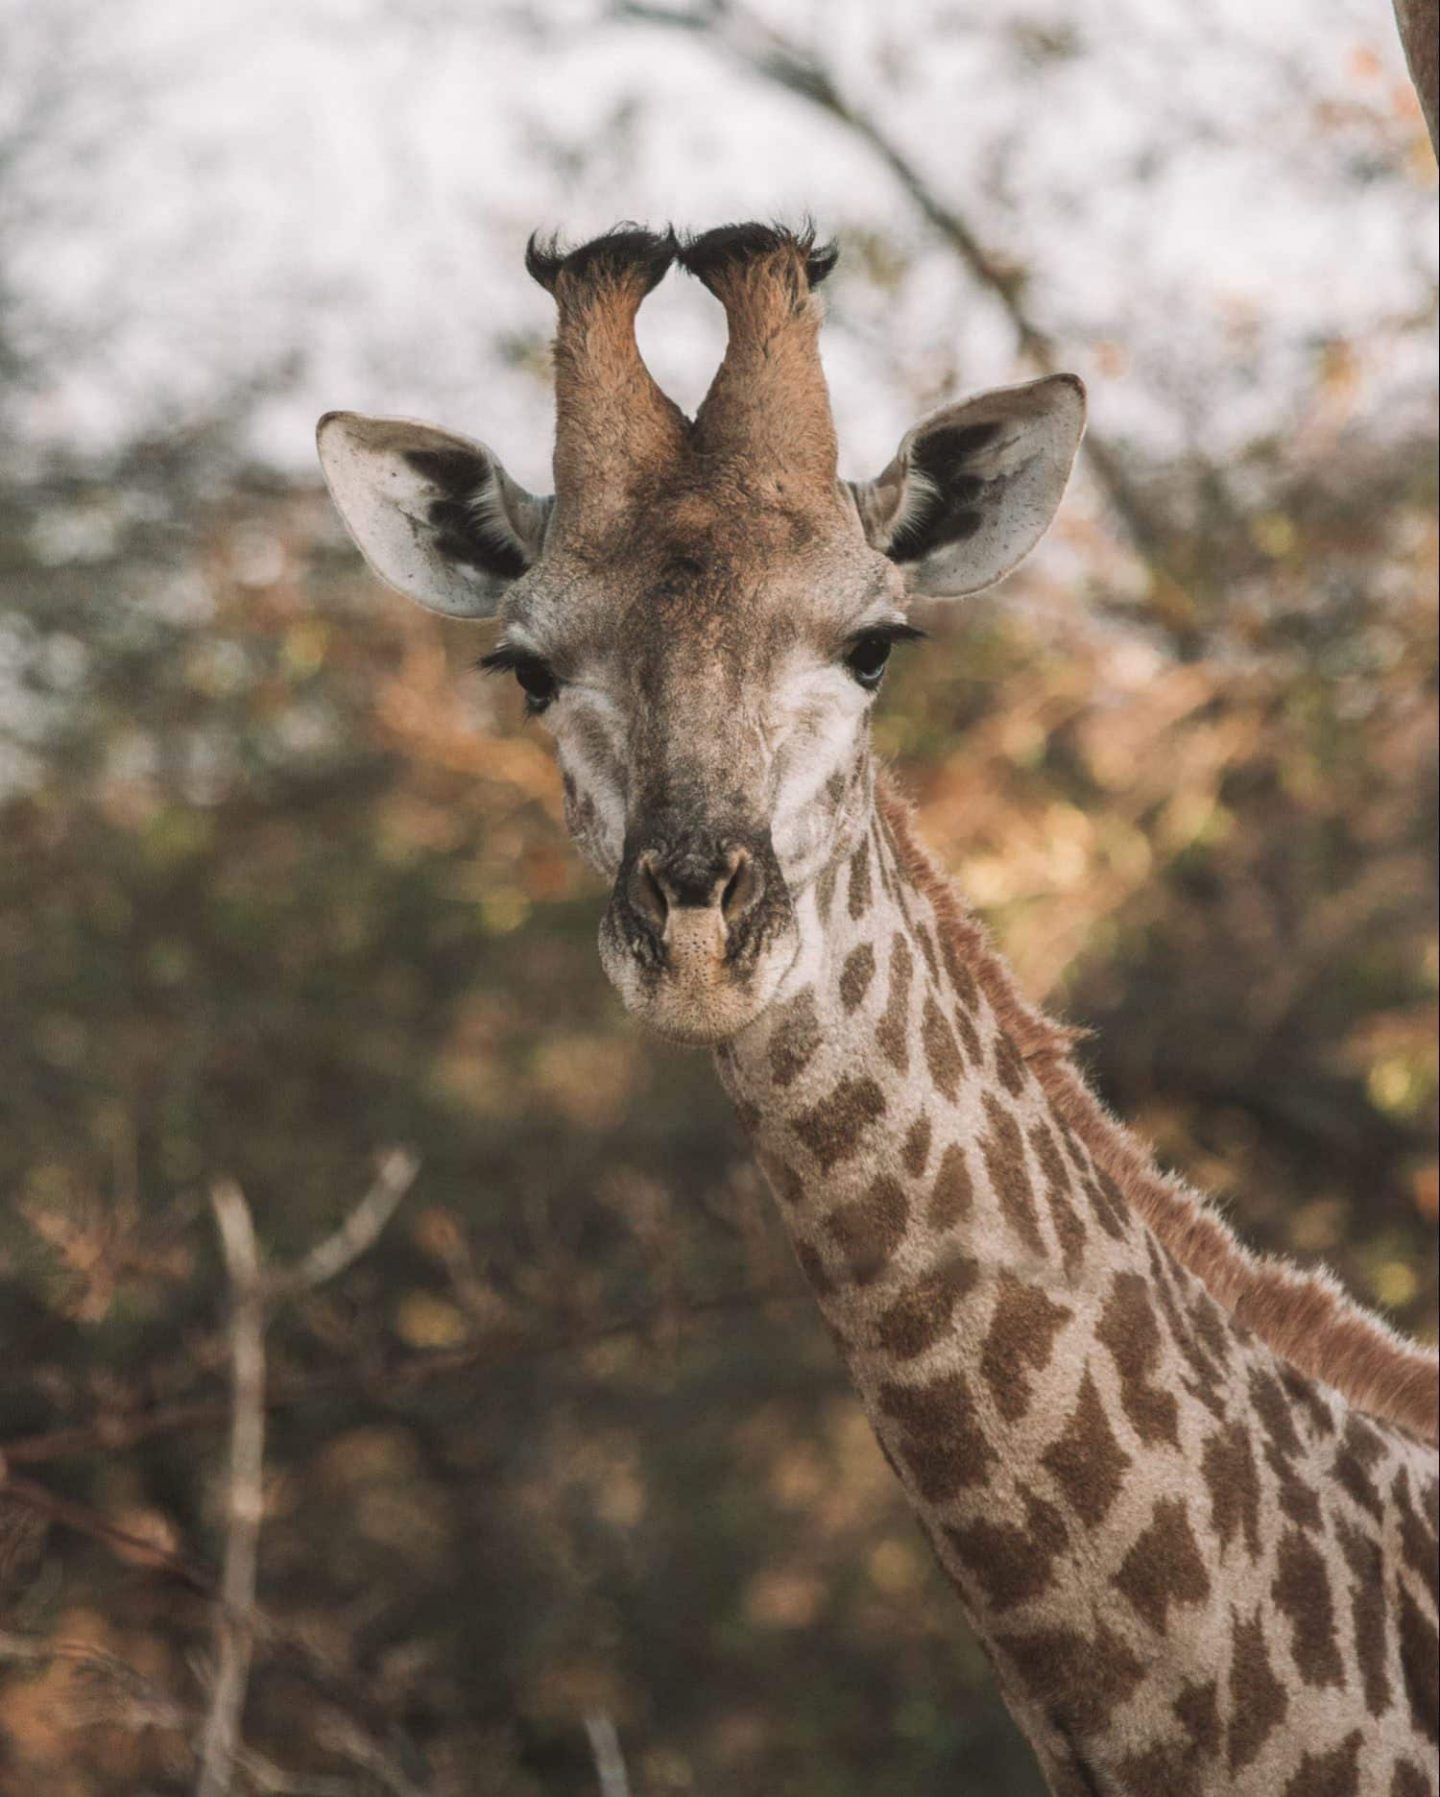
(565, 1492)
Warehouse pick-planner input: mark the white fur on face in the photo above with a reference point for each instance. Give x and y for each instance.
(590, 739)
(812, 730)
(827, 719)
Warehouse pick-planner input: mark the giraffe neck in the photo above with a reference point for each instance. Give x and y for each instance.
(1153, 1522)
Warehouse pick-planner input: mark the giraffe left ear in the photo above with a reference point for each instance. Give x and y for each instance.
(435, 515)
(972, 488)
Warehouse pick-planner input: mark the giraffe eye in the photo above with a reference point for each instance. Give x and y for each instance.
(537, 678)
(538, 683)
(866, 658)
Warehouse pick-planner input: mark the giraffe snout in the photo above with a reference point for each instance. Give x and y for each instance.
(697, 932)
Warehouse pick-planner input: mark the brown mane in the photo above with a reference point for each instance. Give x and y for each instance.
(1306, 1317)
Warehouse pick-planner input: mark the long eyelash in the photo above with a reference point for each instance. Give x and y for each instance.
(895, 632)
(506, 659)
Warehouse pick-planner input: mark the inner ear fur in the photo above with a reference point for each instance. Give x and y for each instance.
(434, 514)
(973, 487)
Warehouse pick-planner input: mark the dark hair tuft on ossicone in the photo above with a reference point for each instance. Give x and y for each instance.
(725, 247)
(619, 257)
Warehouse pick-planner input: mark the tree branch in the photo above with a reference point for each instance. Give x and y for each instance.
(245, 1493)
(761, 49)
(1419, 22)
(359, 1231)
(82, 1520)
(609, 1760)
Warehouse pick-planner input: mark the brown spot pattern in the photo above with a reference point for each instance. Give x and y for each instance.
(1367, 1612)
(892, 1033)
(1208, 1381)
(1020, 1340)
(962, 980)
(1306, 1395)
(1086, 1460)
(942, 1052)
(868, 1230)
(1077, 1679)
(1210, 1327)
(952, 1194)
(1301, 1590)
(856, 975)
(1410, 1781)
(1004, 1150)
(1070, 1231)
(927, 948)
(1198, 1711)
(1008, 1065)
(1299, 1502)
(1417, 1538)
(1227, 1466)
(1106, 1202)
(1332, 1774)
(860, 888)
(921, 1316)
(825, 890)
(1163, 1767)
(915, 1150)
(1419, 1663)
(1270, 1406)
(795, 1039)
(941, 1442)
(969, 1036)
(1257, 1698)
(1012, 1562)
(1128, 1329)
(1164, 1566)
(1360, 1447)
(832, 1129)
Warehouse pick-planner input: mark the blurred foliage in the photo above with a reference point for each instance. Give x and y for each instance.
(284, 881)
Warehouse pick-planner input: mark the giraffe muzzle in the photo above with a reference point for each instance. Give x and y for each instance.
(698, 934)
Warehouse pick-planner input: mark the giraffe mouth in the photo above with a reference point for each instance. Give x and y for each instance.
(699, 1006)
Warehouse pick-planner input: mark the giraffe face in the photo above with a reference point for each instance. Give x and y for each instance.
(702, 614)
(709, 699)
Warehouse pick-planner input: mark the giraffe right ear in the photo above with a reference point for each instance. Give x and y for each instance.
(973, 488)
(435, 515)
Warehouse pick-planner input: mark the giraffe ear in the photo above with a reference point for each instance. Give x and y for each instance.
(973, 487)
(434, 515)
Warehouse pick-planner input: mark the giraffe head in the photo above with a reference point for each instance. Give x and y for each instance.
(702, 613)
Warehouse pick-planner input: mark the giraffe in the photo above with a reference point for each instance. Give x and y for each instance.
(1187, 1497)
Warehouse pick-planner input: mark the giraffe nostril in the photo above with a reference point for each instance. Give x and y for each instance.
(647, 892)
(725, 884)
(742, 889)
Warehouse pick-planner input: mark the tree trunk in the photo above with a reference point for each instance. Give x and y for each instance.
(1419, 22)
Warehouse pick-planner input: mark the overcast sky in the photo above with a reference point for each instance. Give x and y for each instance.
(1206, 193)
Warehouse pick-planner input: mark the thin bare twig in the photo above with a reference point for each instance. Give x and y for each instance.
(359, 1231)
(342, 1736)
(245, 1495)
(609, 1760)
(82, 1520)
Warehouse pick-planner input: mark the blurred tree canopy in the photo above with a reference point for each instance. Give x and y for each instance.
(283, 881)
